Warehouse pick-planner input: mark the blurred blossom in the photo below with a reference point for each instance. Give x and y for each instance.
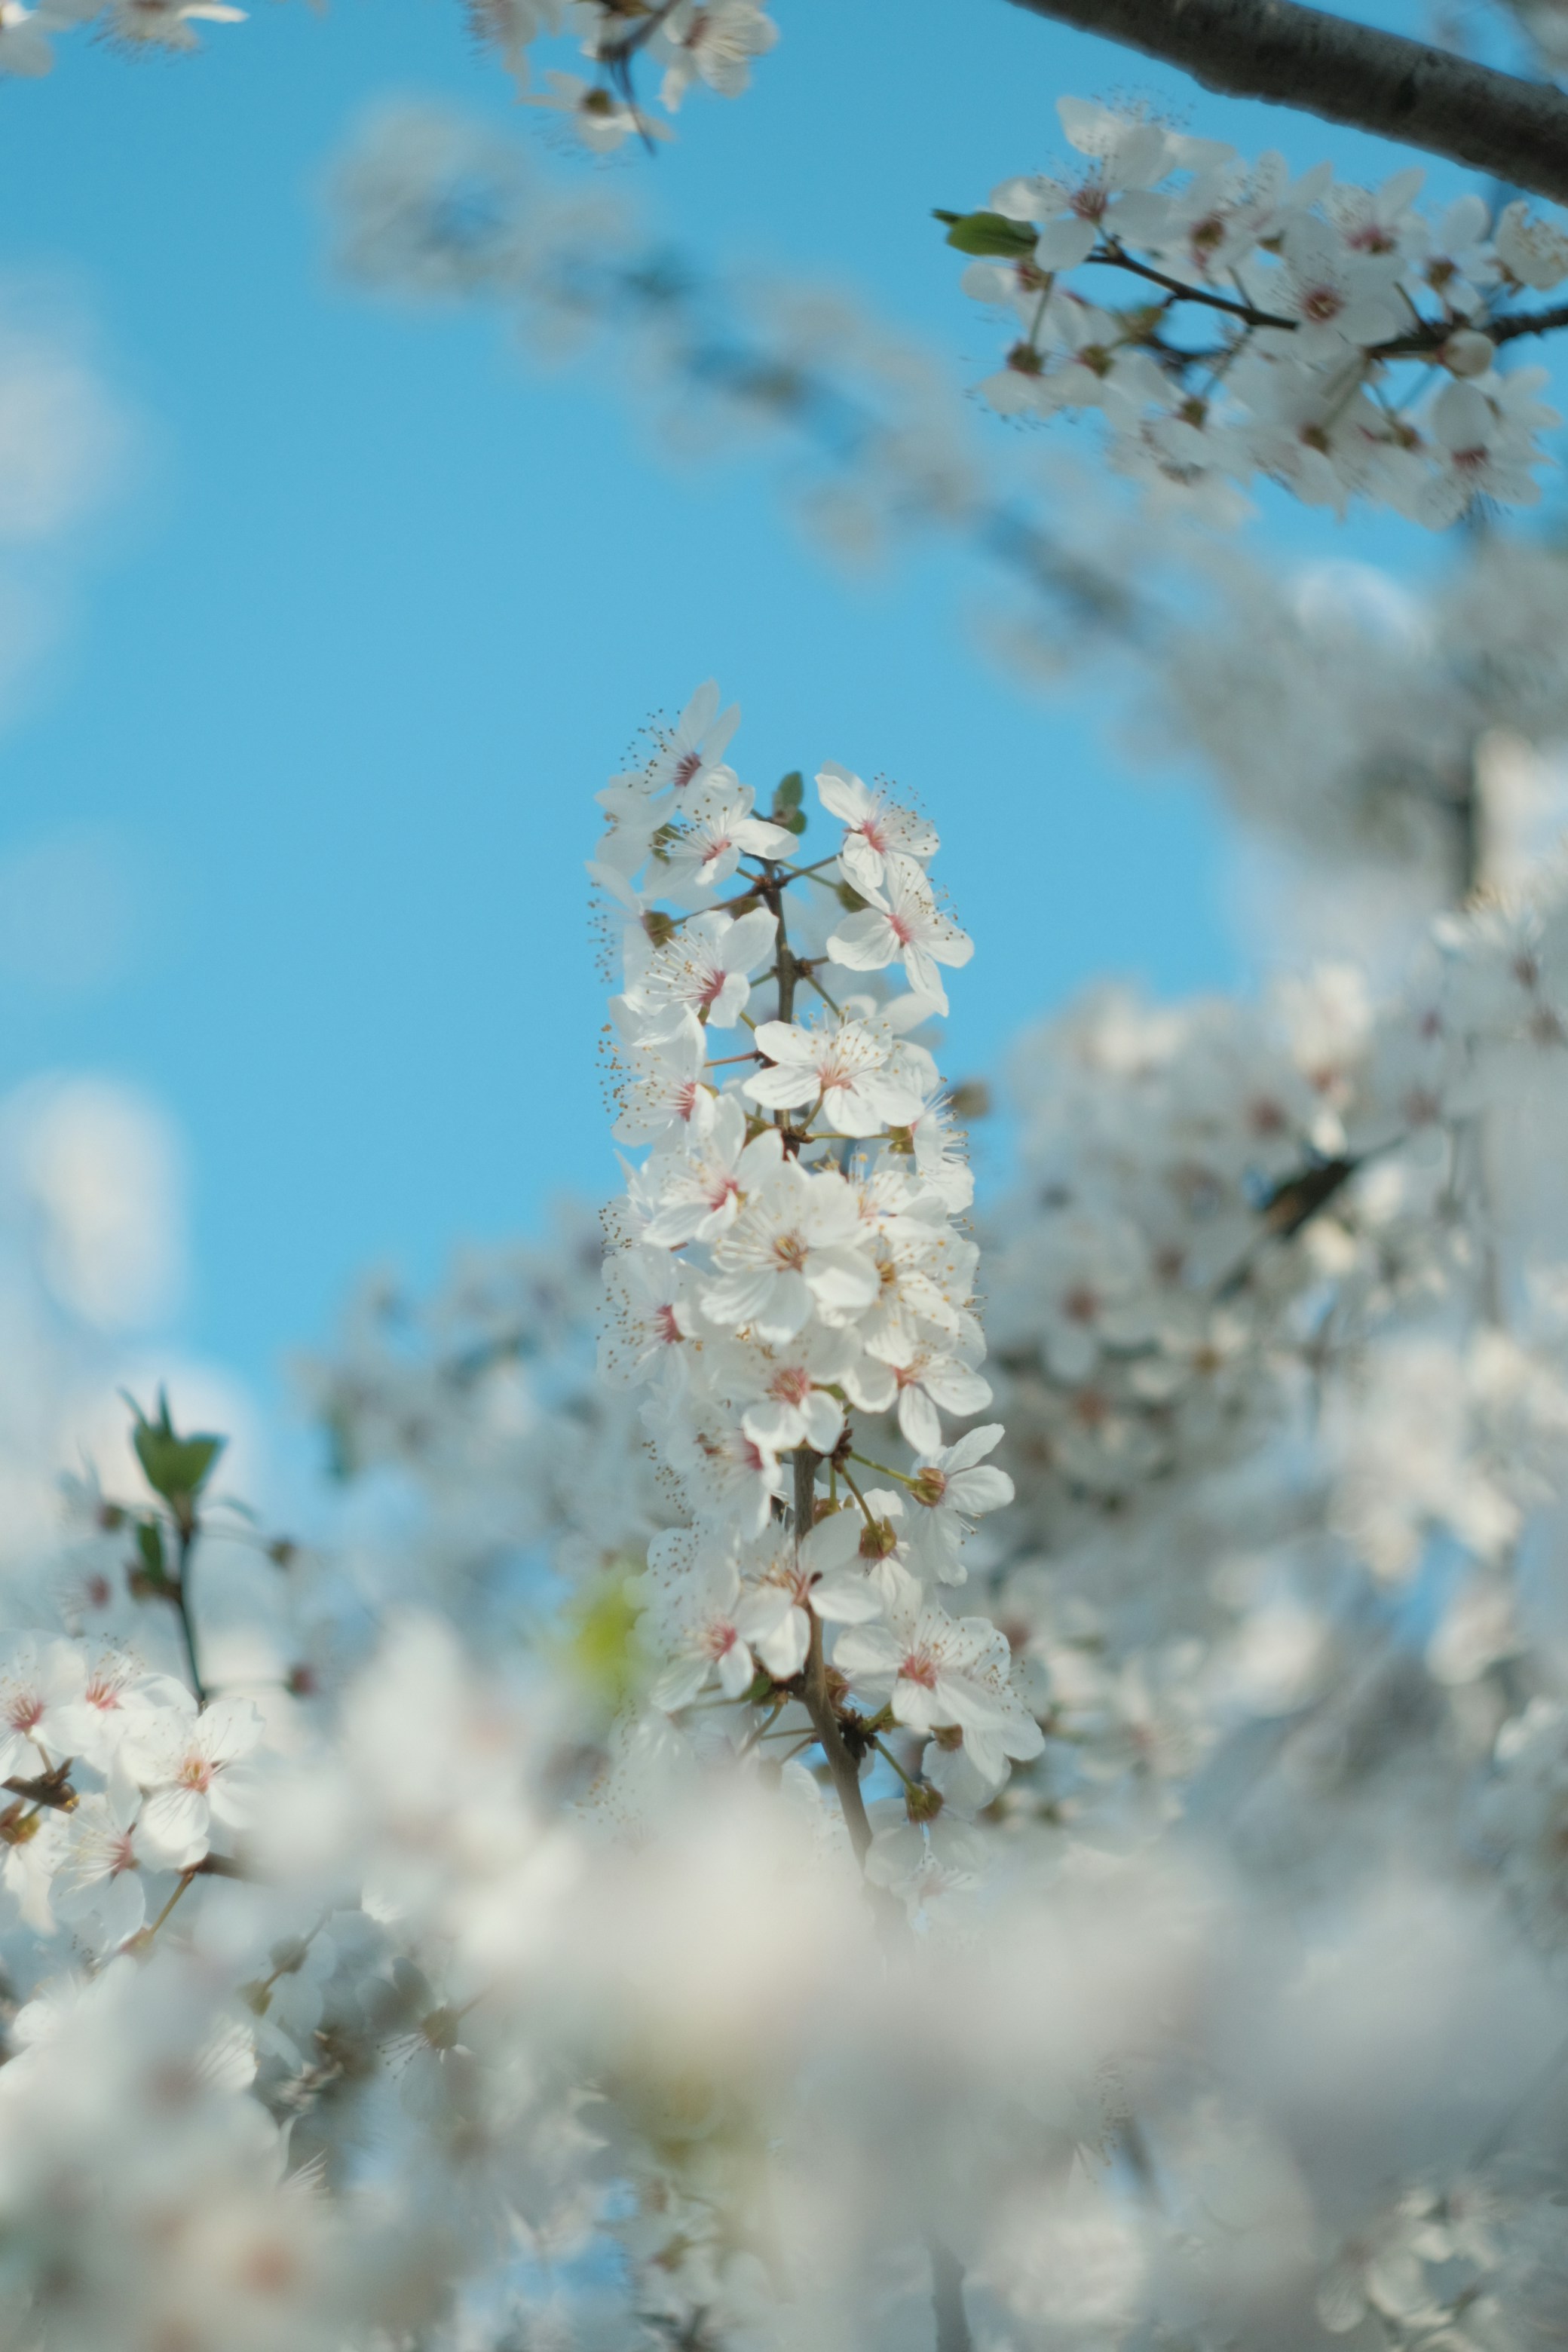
(101, 1168)
(62, 433)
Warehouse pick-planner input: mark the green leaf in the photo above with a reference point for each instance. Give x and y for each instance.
(176, 1467)
(993, 236)
(786, 809)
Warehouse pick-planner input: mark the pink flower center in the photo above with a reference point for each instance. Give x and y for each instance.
(875, 836)
(793, 1385)
(790, 1250)
(1321, 304)
(669, 1329)
(901, 928)
(722, 1188)
(721, 1640)
(920, 1666)
(196, 1772)
(686, 768)
(25, 1712)
(685, 1098)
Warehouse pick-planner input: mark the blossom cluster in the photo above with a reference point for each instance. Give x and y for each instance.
(706, 44)
(1285, 327)
(492, 1926)
(788, 1278)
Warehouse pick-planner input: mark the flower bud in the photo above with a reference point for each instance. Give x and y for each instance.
(1467, 353)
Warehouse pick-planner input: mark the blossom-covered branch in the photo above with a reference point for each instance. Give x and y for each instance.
(1379, 81)
(1336, 305)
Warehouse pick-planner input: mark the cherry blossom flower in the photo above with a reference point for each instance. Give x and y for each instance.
(41, 1685)
(713, 41)
(791, 1251)
(666, 1058)
(698, 1192)
(844, 1066)
(730, 1475)
(192, 1770)
(168, 23)
(706, 852)
(823, 1579)
(904, 925)
(687, 760)
(707, 966)
(99, 1886)
(601, 120)
(702, 1622)
(875, 826)
(931, 1373)
(952, 1488)
(115, 1687)
(784, 1387)
(940, 1672)
(914, 1859)
(1532, 250)
(649, 1312)
(1484, 445)
(1130, 158)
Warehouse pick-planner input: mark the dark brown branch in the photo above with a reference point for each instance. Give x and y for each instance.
(1115, 256)
(947, 2299)
(814, 1693)
(1289, 55)
(51, 1790)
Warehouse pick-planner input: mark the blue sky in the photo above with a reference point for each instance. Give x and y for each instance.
(375, 607)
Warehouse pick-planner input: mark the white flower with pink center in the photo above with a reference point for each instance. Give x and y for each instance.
(793, 1251)
(92, 1725)
(785, 1387)
(903, 924)
(647, 1318)
(39, 1683)
(876, 828)
(843, 1068)
(941, 1672)
(665, 1060)
(192, 1767)
(99, 1889)
(915, 1380)
(701, 1620)
(695, 1193)
(707, 851)
(695, 744)
(706, 966)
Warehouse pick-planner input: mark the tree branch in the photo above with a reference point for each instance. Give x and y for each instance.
(1289, 55)
(947, 2299)
(818, 1698)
